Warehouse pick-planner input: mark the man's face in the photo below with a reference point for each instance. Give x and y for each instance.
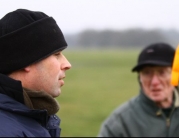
(155, 81)
(49, 73)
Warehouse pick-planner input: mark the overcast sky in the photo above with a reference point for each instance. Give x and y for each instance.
(76, 15)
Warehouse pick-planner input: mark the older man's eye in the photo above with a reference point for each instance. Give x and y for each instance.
(146, 72)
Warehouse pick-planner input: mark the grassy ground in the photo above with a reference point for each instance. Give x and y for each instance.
(97, 83)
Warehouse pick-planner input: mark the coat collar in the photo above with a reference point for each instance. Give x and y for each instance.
(11, 88)
(148, 103)
(12, 100)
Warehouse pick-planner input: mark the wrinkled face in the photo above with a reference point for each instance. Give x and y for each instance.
(49, 74)
(155, 81)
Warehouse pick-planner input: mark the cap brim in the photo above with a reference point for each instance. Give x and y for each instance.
(150, 62)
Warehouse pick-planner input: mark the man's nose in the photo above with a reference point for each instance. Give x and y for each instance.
(155, 79)
(66, 64)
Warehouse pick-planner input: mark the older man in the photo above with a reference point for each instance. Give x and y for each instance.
(154, 112)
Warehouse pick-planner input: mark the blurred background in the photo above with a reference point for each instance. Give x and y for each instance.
(104, 39)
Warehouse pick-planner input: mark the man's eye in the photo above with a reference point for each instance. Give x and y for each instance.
(57, 54)
(146, 72)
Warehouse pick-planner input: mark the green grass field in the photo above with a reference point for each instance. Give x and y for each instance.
(98, 82)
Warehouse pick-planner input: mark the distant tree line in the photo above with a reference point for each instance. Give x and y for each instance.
(125, 38)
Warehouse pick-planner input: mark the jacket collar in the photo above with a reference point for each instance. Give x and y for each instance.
(176, 95)
(148, 103)
(12, 100)
(11, 88)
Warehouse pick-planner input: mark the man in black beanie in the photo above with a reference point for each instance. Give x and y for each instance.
(32, 69)
(155, 111)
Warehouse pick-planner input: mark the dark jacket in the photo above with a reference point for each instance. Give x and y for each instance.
(140, 117)
(17, 120)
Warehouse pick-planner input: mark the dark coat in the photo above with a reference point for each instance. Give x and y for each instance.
(17, 120)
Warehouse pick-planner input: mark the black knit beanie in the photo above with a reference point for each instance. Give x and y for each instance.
(27, 37)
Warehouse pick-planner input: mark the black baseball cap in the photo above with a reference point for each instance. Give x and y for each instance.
(160, 54)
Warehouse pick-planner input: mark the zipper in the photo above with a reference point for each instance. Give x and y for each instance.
(168, 120)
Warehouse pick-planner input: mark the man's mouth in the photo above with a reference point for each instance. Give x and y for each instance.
(61, 82)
